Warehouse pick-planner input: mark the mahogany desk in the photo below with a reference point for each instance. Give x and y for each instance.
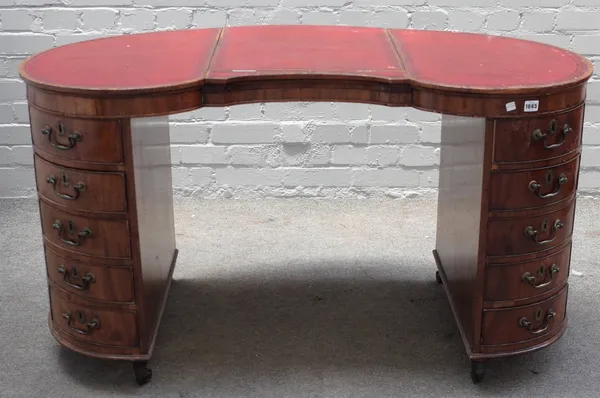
(510, 153)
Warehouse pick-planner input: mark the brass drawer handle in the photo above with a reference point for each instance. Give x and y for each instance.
(527, 277)
(73, 137)
(80, 235)
(79, 187)
(533, 233)
(538, 135)
(527, 324)
(536, 186)
(85, 280)
(94, 323)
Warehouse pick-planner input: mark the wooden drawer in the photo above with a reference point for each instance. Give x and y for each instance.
(514, 236)
(537, 138)
(81, 190)
(513, 325)
(92, 281)
(83, 140)
(533, 187)
(92, 324)
(86, 235)
(508, 282)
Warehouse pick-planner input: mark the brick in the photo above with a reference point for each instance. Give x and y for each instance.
(291, 154)
(354, 17)
(243, 133)
(555, 40)
(137, 20)
(173, 18)
(16, 20)
(469, 21)
(102, 3)
(435, 20)
(293, 133)
(24, 43)
(297, 110)
(16, 155)
(12, 67)
(539, 21)
(37, 2)
(587, 44)
(175, 155)
(283, 16)
(62, 39)
(385, 178)
(585, 2)
(415, 155)
(383, 155)
(200, 154)
(593, 91)
(319, 17)
(384, 3)
(417, 115)
(249, 176)
(189, 133)
(587, 179)
(429, 178)
(6, 114)
(331, 133)
(388, 113)
(394, 134)
(98, 19)
(541, 4)
(359, 135)
(180, 177)
(15, 135)
(209, 18)
(348, 155)
(503, 20)
(16, 182)
(59, 19)
(263, 3)
(590, 156)
(200, 176)
(329, 177)
(397, 19)
(21, 112)
(592, 113)
(247, 155)
(351, 111)
(310, 3)
(245, 112)
(11, 90)
(431, 133)
(591, 135)
(245, 16)
(578, 20)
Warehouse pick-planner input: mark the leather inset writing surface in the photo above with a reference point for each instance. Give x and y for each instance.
(303, 49)
(136, 61)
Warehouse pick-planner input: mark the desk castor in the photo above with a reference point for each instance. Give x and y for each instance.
(143, 374)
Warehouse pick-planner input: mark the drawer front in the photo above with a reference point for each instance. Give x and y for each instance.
(511, 190)
(81, 190)
(528, 279)
(514, 236)
(95, 282)
(530, 139)
(116, 328)
(86, 235)
(513, 325)
(77, 139)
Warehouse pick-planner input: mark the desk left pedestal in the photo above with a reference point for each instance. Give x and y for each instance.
(106, 210)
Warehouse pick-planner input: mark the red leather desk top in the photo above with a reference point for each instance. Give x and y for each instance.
(174, 59)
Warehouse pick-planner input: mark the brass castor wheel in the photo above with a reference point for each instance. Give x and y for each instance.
(477, 371)
(438, 278)
(143, 374)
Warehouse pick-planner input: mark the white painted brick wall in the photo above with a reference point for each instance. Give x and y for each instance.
(289, 149)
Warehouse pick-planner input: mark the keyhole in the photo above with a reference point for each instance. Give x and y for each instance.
(549, 177)
(61, 128)
(552, 126)
(71, 227)
(538, 314)
(80, 317)
(545, 225)
(541, 271)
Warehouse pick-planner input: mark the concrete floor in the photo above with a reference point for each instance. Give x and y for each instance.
(296, 298)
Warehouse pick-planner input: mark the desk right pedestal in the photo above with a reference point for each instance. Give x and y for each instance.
(506, 206)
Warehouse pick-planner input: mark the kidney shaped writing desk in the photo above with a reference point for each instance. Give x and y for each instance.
(510, 153)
